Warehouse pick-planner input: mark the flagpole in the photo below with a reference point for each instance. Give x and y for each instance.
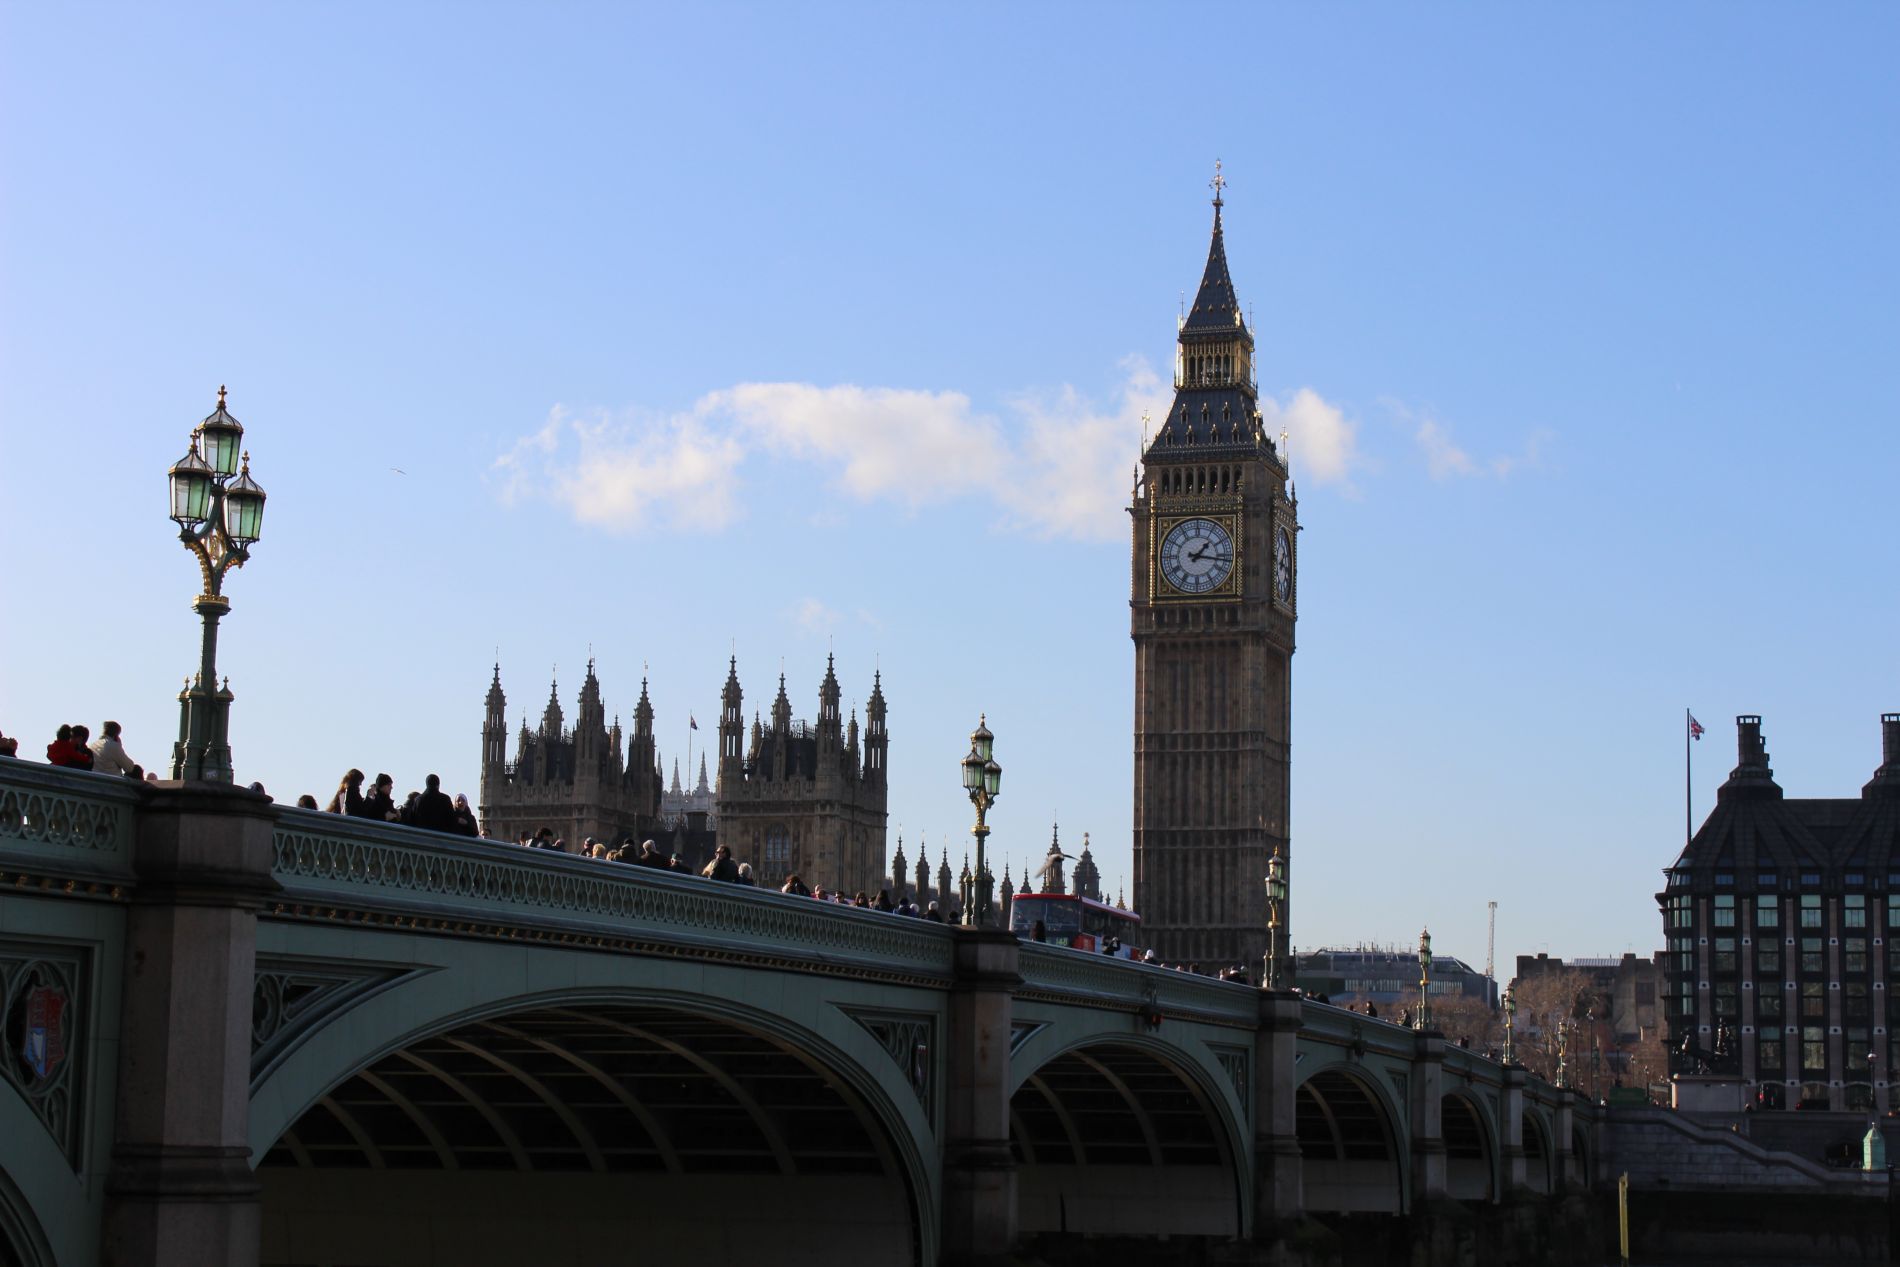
(1688, 780)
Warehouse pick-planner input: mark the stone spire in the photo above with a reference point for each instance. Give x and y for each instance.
(1052, 880)
(551, 717)
(495, 729)
(676, 790)
(877, 739)
(702, 788)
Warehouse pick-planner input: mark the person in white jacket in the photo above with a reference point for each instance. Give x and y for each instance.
(109, 755)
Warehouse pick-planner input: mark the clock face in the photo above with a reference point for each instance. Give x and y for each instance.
(1197, 555)
(1282, 565)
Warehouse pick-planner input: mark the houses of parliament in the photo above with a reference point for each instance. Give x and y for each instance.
(792, 797)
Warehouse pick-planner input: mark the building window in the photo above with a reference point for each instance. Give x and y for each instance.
(1854, 1006)
(1682, 954)
(1812, 878)
(1724, 879)
(1725, 998)
(1725, 954)
(1768, 1003)
(1814, 1050)
(1680, 914)
(1813, 959)
(1725, 910)
(1645, 994)
(1767, 910)
(778, 848)
(1813, 1001)
(1768, 1049)
(1768, 959)
(1765, 880)
(1857, 1052)
(1854, 910)
(1854, 954)
(1810, 910)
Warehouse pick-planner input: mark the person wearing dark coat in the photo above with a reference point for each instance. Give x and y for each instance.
(349, 795)
(380, 804)
(432, 809)
(465, 824)
(722, 867)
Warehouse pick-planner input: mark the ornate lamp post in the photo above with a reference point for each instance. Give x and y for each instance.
(983, 780)
(1510, 1017)
(1424, 1020)
(1276, 901)
(1563, 1052)
(219, 510)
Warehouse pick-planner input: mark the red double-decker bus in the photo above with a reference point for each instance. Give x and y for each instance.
(1080, 922)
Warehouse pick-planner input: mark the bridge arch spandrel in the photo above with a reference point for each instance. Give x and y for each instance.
(850, 1032)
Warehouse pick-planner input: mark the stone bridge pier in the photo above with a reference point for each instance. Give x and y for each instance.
(237, 1033)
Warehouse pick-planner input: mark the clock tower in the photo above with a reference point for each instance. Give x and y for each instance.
(1211, 612)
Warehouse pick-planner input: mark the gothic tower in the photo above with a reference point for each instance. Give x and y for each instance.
(1212, 612)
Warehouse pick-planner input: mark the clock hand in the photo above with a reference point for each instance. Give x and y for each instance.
(1195, 556)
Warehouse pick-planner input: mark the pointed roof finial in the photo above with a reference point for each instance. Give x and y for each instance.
(220, 395)
(1217, 184)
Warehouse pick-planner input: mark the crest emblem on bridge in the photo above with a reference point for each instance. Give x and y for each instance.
(43, 1049)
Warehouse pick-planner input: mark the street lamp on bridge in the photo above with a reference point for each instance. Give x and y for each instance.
(1510, 1017)
(219, 510)
(983, 780)
(1424, 1019)
(1276, 902)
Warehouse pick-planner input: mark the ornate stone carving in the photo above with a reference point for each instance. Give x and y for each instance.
(291, 998)
(43, 999)
(1238, 1062)
(908, 1038)
(1021, 1032)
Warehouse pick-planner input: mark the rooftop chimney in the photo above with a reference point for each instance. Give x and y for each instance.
(1751, 775)
(1886, 780)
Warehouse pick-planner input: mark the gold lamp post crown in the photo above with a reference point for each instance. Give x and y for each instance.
(983, 782)
(219, 510)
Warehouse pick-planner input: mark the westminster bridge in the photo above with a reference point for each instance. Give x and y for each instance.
(238, 1033)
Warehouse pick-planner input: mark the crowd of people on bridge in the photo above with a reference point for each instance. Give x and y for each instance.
(433, 810)
(74, 748)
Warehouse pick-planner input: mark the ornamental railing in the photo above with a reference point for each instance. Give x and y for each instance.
(358, 865)
(57, 822)
(1105, 981)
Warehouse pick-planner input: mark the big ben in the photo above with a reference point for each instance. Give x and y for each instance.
(1215, 590)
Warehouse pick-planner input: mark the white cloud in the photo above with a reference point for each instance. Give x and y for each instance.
(813, 616)
(1074, 466)
(624, 474)
(914, 446)
(1058, 464)
(1323, 442)
(1445, 459)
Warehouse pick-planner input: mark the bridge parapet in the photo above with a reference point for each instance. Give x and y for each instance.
(1073, 976)
(353, 869)
(68, 824)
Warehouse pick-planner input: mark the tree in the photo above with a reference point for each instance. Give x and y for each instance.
(1545, 1002)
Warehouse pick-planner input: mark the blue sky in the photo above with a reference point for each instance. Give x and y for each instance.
(787, 328)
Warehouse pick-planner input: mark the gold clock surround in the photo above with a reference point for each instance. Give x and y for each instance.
(1224, 512)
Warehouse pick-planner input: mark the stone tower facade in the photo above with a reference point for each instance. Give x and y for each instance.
(576, 781)
(805, 799)
(1212, 611)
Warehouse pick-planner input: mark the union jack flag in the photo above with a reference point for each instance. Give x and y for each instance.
(1695, 727)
